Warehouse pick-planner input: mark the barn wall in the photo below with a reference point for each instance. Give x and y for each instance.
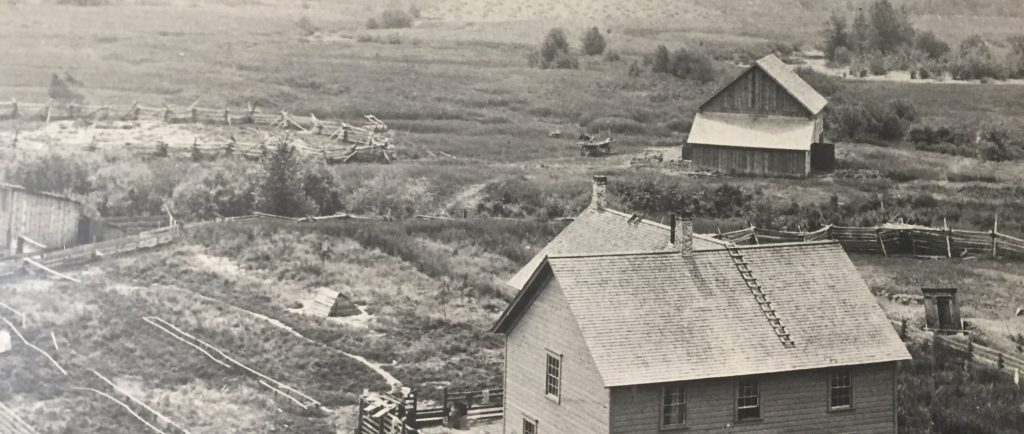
(548, 324)
(790, 402)
(44, 219)
(755, 92)
(752, 161)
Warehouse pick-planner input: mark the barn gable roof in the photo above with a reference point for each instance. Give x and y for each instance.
(16, 187)
(749, 131)
(661, 317)
(603, 230)
(785, 77)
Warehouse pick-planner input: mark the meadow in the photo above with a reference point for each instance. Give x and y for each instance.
(473, 124)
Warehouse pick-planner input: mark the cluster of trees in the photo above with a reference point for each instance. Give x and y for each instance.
(556, 53)
(883, 39)
(990, 142)
(852, 116)
(394, 19)
(683, 63)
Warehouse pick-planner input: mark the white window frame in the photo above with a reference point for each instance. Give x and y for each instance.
(527, 421)
(832, 388)
(756, 395)
(553, 381)
(665, 390)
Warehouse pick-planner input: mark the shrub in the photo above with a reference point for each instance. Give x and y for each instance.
(279, 187)
(593, 42)
(371, 24)
(679, 125)
(691, 65)
(931, 45)
(306, 26)
(660, 61)
(62, 91)
(217, 192)
(52, 173)
(395, 19)
(554, 52)
(616, 125)
(612, 56)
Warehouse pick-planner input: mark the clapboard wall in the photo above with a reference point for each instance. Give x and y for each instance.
(790, 402)
(752, 161)
(48, 219)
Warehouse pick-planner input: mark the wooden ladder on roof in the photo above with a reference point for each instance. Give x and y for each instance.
(760, 297)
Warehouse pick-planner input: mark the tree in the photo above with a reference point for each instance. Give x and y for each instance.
(62, 91)
(859, 39)
(836, 35)
(554, 51)
(593, 42)
(692, 65)
(661, 59)
(891, 28)
(931, 45)
(280, 190)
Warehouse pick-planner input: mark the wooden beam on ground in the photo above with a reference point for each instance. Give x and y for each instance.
(39, 350)
(140, 403)
(125, 406)
(50, 270)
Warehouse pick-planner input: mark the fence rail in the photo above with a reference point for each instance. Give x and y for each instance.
(1005, 362)
(347, 141)
(383, 413)
(893, 240)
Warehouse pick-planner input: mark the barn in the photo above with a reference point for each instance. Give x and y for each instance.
(766, 122)
(33, 221)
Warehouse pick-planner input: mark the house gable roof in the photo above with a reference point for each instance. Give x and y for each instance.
(660, 317)
(787, 79)
(603, 230)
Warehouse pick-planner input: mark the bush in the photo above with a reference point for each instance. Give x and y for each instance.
(691, 65)
(660, 61)
(593, 42)
(554, 52)
(612, 56)
(931, 45)
(616, 125)
(395, 19)
(279, 188)
(679, 125)
(52, 173)
(217, 192)
(371, 24)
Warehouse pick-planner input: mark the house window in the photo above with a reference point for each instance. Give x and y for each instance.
(553, 385)
(529, 426)
(748, 399)
(840, 390)
(673, 406)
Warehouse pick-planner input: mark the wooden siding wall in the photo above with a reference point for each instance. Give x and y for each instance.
(755, 92)
(549, 325)
(752, 161)
(48, 220)
(790, 402)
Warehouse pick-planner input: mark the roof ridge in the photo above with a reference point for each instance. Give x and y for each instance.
(642, 220)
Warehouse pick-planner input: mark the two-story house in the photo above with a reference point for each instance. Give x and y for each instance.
(698, 338)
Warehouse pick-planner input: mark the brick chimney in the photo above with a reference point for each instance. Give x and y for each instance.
(599, 199)
(681, 235)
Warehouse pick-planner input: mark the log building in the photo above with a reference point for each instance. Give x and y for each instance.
(766, 122)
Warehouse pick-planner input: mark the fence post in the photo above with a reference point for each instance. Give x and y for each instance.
(359, 419)
(949, 249)
(14, 108)
(995, 229)
(444, 406)
(878, 234)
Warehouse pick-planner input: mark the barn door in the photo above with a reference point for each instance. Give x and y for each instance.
(84, 231)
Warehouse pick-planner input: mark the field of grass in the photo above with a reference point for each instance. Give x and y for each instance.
(456, 83)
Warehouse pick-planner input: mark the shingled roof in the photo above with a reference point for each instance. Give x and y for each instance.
(603, 230)
(663, 317)
(792, 83)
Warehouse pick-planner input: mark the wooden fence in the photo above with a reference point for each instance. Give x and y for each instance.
(894, 240)
(388, 414)
(1010, 364)
(347, 141)
(89, 252)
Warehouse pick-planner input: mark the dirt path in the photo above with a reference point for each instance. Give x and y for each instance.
(467, 199)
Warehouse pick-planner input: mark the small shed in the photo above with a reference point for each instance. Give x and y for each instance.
(32, 220)
(941, 310)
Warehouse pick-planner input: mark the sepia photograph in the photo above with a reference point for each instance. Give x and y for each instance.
(511, 216)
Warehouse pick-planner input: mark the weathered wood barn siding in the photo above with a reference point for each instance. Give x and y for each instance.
(549, 325)
(790, 402)
(752, 161)
(755, 92)
(44, 218)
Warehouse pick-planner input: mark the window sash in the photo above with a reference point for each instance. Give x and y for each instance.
(673, 406)
(553, 383)
(840, 390)
(748, 399)
(529, 426)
